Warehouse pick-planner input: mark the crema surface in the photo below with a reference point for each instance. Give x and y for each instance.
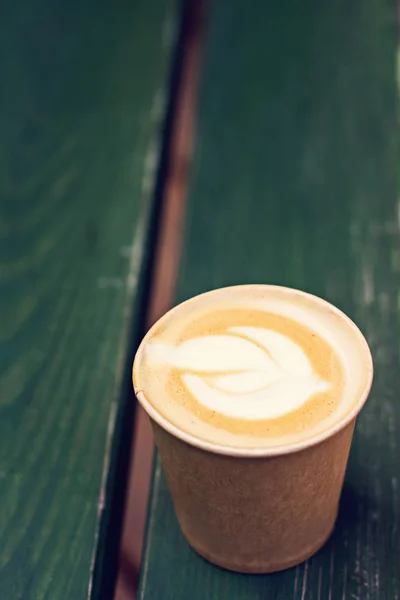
(252, 366)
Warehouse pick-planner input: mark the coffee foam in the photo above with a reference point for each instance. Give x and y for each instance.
(249, 373)
(250, 366)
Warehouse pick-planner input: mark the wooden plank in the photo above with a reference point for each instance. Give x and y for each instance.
(295, 182)
(82, 106)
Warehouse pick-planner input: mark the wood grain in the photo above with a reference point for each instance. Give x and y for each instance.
(81, 113)
(294, 181)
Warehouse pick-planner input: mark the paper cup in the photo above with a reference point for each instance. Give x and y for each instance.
(256, 510)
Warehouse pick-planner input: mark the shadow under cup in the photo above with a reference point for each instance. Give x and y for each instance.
(257, 510)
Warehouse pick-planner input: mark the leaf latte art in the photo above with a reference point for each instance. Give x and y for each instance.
(254, 366)
(248, 373)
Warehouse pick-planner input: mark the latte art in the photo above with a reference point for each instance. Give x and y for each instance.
(251, 366)
(249, 373)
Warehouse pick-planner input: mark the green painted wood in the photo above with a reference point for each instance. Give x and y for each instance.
(294, 181)
(82, 104)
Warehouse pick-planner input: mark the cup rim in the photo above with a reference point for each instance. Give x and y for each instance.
(249, 452)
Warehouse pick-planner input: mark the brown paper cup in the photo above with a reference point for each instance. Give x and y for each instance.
(255, 511)
(255, 515)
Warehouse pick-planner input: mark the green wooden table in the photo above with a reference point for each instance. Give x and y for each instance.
(294, 181)
(83, 97)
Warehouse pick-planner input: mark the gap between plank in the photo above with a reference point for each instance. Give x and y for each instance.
(168, 241)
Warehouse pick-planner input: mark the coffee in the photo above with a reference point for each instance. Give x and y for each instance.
(252, 367)
(253, 394)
